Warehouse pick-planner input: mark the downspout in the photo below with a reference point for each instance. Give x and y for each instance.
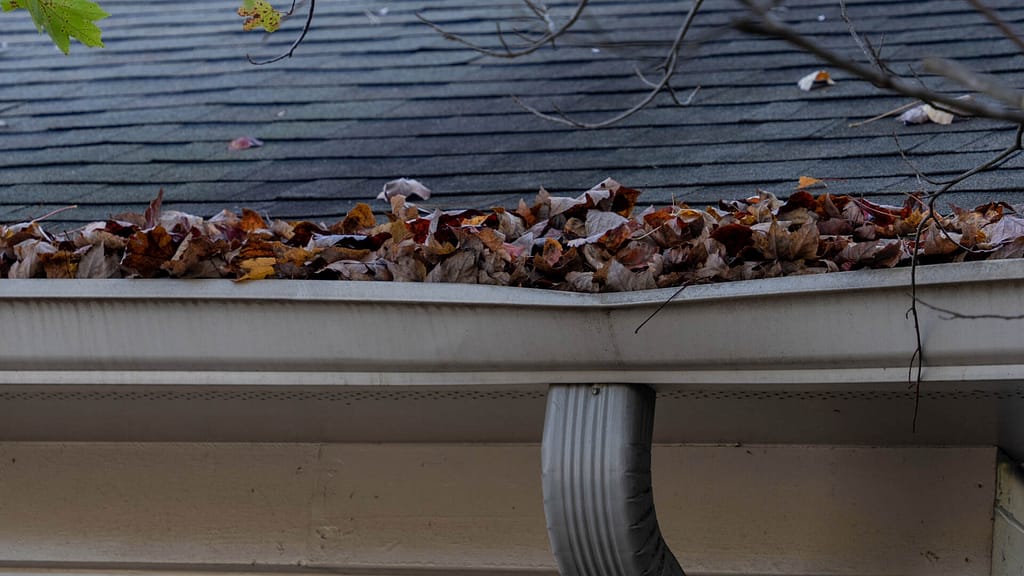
(596, 463)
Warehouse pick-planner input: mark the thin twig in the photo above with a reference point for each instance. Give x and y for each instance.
(884, 115)
(917, 359)
(53, 213)
(862, 42)
(534, 44)
(693, 94)
(668, 68)
(672, 91)
(291, 50)
(906, 160)
(952, 315)
(662, 306)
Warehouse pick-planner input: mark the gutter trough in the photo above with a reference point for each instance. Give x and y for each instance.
(845, 327)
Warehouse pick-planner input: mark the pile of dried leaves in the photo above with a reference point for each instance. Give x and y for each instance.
(593, 243)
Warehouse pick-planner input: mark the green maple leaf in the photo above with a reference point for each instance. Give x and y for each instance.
(63, 19)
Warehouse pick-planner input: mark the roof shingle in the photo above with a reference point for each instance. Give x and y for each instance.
(363, 103)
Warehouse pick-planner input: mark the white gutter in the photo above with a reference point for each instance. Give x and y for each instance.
(846, 328)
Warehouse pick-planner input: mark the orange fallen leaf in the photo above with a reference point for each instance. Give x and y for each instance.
(806, 182)
(358, 219)
(251, 221)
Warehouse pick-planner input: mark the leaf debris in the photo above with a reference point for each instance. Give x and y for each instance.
(599, 241)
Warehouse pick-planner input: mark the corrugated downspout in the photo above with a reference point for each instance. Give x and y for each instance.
(596, 460)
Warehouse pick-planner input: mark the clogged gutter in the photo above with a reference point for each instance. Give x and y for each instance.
(600, 241)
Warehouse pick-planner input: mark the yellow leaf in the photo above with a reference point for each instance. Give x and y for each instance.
(257, 268)
(689, 214)
(937, 116)
(476, 220)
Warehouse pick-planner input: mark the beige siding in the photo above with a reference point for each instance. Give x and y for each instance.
(429, 508)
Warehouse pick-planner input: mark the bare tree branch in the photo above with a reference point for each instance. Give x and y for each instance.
(768, 25)
(984, 83)
(668, 68)
(671, 91)
(906, 160)
(553, 32)
(865, 46)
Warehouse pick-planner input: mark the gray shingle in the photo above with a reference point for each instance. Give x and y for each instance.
(361, 104)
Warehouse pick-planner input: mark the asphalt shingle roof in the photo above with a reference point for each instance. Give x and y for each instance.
(375, 95)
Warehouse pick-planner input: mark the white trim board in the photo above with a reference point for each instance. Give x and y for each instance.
(1008, 524)
(412, 509)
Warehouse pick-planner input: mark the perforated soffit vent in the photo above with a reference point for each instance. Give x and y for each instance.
(464, 394)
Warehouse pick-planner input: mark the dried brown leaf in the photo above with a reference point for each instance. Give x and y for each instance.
(61, 264)
(884, 253)
(406, 188)
(938, 242)
(1007, 229)
(581, 282)
(28, 263)
(97, 262)
(733, 236)
(251, 221)
(459, 267)
(152, 213)
(359, 220)
(146, 252)
(618, 278)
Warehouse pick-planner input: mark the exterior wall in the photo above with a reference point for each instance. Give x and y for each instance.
(405, 509)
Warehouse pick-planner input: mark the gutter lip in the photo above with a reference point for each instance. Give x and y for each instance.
(386, 293)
